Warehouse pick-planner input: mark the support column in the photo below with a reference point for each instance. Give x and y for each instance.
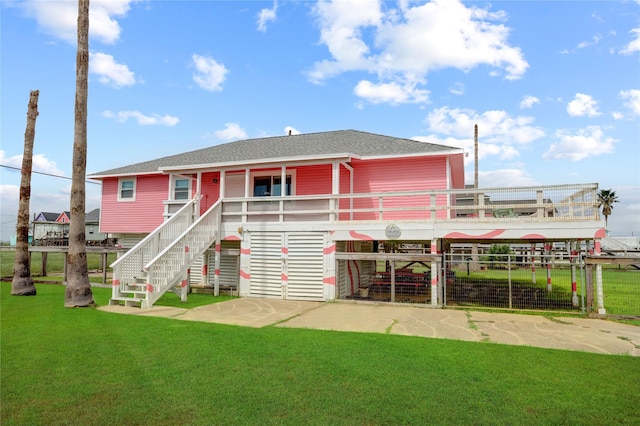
(533, 263)
(216, 276)
(435, 273)
(573, 255)
(599, 288)
(548, 251)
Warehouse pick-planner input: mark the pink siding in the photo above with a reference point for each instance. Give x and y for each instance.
(410, 174)
(139, 216)
(210, 190)
(311, 180)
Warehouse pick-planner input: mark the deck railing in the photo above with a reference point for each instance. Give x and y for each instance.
(534, 204)
(169, 266)
(131, 265)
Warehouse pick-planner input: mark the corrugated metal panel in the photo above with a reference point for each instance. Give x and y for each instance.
(305, 266)
(266, 264)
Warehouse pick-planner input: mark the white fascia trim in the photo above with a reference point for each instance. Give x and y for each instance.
(119, 175)
(270, 162)
(419, 154)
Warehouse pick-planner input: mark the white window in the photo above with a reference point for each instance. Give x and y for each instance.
(265, 186)
(127, 189)
(181, 189)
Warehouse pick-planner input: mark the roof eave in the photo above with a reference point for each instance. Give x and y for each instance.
(264, 162)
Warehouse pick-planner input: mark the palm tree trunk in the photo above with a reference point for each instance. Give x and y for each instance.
(22, 283)
(78, 292)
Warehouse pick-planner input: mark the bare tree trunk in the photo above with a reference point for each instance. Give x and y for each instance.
(78, 292)
(22, 283)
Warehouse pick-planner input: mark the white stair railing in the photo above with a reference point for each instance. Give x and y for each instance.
(130, 266)
(168, 268)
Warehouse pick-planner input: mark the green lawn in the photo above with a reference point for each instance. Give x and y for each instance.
(55, 262)
(87, 367)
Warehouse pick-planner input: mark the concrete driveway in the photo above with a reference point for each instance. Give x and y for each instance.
(579, 334)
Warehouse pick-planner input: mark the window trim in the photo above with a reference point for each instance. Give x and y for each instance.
(273, 174)
(172, 189)
(134, 180)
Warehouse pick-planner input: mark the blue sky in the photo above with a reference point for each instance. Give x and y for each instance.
(554, 86)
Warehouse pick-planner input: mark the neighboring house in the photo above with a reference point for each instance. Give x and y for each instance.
(53, 228)
(301, 216)
(92, 233)
(64, 217)
(49, 230)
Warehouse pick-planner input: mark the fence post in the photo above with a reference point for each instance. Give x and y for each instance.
(588, 272)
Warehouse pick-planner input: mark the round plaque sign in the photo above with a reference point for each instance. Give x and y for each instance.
(392, 232)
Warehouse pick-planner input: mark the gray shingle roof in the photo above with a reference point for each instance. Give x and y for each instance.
(309, 145)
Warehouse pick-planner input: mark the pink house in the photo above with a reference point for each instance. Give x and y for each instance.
(294, 216)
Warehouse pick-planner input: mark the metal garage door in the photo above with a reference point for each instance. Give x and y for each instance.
(305, 266)
(266, 264)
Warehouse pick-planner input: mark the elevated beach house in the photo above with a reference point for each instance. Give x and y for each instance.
(307, 216)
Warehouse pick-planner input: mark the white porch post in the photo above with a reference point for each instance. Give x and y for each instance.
(335, 190)
(222, 184)
(548, 251)
(435, 273)
(329, 279)
(573, 254)
(216, 276)
(198, 191)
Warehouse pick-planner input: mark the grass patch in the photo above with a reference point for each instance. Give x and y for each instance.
(87, 367)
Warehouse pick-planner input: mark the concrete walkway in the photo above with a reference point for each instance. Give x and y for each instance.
(578, 334)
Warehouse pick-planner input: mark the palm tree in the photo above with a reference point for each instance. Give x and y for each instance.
(22, 283)
(78, 291)
(606, 198)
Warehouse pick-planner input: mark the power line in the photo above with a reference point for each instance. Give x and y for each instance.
(47, 174)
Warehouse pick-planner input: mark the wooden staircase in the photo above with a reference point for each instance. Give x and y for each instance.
(160, 262)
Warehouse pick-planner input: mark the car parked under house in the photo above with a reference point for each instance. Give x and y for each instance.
(303, 216)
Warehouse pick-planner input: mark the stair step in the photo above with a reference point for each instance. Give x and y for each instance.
(128, 301)
(134, 293)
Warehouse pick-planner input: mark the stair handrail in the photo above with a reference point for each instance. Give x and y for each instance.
(180, 214)
(167, 268)
(130, 265)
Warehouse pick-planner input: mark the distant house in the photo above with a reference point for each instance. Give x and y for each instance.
(301, 217)
(64, 217)
(52, 229)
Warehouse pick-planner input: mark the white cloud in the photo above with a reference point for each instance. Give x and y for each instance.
(291, 130)
(634, 45)
(209, 74)
(59, 18)
(595, 40)
(142, 119)
(457, 89)
(528, 102)
(392, 93)
(231, 131)
(39, 163)
(494, 127)
(632, 98)
(267, 15)
(402, 45)
(583, 105)
(617, 115)
(505, 177)
(109, 71)
(588, 142)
